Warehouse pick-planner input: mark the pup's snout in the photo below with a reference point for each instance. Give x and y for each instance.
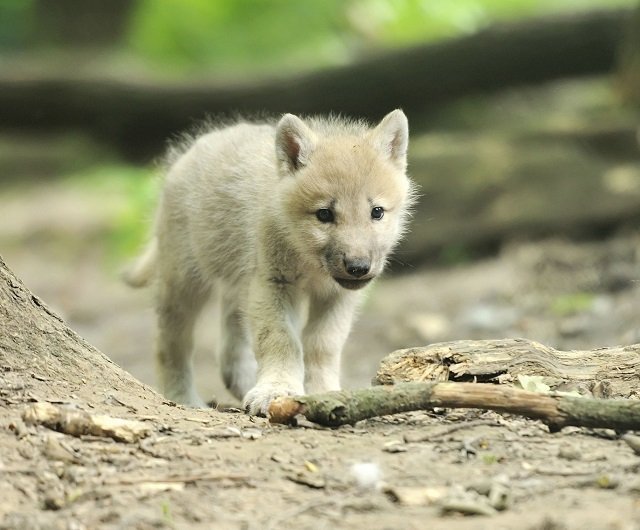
(357, 267)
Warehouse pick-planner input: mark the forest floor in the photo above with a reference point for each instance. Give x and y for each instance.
(223, 469)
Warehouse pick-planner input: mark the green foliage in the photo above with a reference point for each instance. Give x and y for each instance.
(401, 21)
(236, 34)
(232, 35)
(15, 22)
(570, 304)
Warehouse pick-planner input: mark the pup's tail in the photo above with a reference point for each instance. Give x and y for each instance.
(141, 271)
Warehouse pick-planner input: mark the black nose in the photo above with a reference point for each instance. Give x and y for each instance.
(357, 267)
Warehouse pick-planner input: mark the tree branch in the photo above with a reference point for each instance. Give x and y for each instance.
(348, 407)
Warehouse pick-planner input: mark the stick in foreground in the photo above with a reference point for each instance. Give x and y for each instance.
(556, 411)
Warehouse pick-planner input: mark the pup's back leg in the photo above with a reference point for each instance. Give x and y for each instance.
(180, 298)
(237, 361)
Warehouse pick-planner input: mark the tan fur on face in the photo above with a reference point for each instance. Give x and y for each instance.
(348, 175)
(238, 219)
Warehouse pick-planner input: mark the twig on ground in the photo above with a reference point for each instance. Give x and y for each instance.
(79, 423)
(445, 431)
(196, 477)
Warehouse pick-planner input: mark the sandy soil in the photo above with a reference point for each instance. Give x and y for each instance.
(222, 469)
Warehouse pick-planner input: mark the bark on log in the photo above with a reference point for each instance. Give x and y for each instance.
(606, 372)
(137, 118)
(348, 407)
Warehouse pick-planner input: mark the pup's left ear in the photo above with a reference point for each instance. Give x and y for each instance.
(391, 138)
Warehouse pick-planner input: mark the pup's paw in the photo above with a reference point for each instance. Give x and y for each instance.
(257, 400)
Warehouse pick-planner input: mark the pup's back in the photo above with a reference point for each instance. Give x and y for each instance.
(211, 197)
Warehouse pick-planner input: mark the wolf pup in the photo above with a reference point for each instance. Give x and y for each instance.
(284, 224)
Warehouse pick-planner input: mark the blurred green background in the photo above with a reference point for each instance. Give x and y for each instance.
(222, 42)
(244, 37)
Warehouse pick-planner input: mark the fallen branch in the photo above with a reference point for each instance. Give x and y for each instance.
(556, 411)
(187, 478)
(79, 423)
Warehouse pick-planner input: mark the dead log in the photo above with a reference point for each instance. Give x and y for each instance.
(137, 118)
(556, 411)
(605, 372)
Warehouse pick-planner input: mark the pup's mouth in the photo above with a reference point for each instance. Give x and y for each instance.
(352, 284)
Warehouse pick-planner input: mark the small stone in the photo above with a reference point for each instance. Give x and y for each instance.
(54, 502)
(251, 434)
(569, 453)
(395, 446)
(632, 441)
(499, 496)
(416, 496)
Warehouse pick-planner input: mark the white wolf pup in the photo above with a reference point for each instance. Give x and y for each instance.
(284, 224)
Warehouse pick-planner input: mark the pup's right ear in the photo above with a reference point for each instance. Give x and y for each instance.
(294, 144)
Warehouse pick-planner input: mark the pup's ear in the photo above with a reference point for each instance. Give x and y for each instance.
(294, 143)
(391, 138)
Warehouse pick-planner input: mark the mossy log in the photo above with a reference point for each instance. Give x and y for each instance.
(556, 411)
(602, 372)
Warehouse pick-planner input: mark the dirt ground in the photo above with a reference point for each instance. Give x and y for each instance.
(222, 469)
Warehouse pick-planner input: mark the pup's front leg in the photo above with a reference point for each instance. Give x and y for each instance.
(323, 339)
(274, 320)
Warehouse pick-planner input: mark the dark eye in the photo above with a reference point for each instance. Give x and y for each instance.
(324, 215)
(377, 213)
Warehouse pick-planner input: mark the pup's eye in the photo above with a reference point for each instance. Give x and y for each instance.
(377, 213)
(324, 215)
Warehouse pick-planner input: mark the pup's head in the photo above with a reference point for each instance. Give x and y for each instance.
(345, 191)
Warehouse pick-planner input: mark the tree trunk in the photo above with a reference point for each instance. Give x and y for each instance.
(137, 118)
